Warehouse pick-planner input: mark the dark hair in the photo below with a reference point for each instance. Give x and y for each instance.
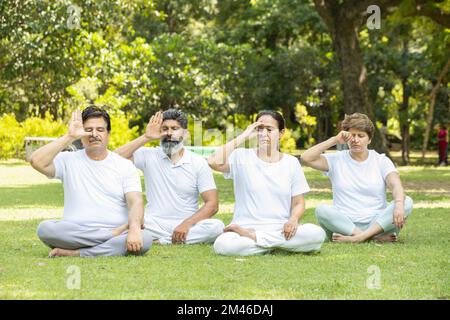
(174, 114)
(274, 114)
(96, 112)
(443, 127)
(359, 121)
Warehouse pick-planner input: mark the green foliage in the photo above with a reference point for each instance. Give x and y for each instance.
(287, 143)
(13, 133)
(121, 133)
(212, 59)
(11, 137)
(307, 125)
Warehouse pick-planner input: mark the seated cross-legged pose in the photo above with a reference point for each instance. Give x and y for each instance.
(268, 189)
(359, 177)
(174, 179)
(103, 203)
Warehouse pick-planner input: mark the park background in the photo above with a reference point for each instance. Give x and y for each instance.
(221, 62)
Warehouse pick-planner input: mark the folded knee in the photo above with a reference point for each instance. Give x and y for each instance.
(224, 246)
(314, 233)
(322, 211)
(45, 230)
(217, 227)
(408, 205)
(147, 240)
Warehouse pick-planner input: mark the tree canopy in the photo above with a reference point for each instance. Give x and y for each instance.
(312, 60)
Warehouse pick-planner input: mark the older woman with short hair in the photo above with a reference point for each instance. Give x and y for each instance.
(359, 177)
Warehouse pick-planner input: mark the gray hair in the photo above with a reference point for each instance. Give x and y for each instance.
(174, 114)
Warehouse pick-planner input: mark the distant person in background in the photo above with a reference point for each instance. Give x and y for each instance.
(443, 145)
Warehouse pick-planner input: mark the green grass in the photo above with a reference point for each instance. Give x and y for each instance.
(414, 268)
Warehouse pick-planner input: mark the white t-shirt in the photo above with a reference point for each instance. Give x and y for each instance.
(359, 188)
(173, 189)
(263, 191)
(94, 191)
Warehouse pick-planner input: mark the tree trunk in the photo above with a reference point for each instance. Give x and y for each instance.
(430, 117)
(343, 21)
(404, 121)
(403, 110)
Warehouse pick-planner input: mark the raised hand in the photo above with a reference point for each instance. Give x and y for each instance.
(343, 137)
(250, 132)
(153, 131)
(76, 129)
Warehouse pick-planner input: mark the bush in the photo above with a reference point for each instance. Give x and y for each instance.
(13, 133)
(120, 132)
(11, 137)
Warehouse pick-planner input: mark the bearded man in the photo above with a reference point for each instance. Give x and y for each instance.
(174, 179)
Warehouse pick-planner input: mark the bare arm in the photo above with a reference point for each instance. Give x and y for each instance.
(42, 158)
(135, 204)
(219, 160)
(395, 185)
(209, 209)
(297, 212)
(151, 133)
(313, 156)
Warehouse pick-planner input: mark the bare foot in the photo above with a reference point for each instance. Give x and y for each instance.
(118, 231)
(57, 252)
(337, 237)
(391, 237)
(249, 233)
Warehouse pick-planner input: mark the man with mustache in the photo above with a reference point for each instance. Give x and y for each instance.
(174, 179)
(103, 204)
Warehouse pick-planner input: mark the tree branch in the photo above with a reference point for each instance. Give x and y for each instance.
(436, 14)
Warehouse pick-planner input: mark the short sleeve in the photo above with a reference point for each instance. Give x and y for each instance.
(131, 179)
(205, 178)
(232, 161)
(331, 160)
(386, 166)
(299, 185)
(139, 157)
(59, 162)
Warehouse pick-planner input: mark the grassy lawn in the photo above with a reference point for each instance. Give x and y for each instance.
(415, 268)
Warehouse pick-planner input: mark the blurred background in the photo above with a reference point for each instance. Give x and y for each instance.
(223, 61)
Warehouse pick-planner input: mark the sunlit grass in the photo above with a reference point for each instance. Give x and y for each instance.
(414, 268)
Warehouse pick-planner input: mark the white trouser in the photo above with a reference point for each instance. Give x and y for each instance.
(204, 231)
(308, 237)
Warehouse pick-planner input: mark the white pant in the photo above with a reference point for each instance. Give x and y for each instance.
(308, 237)
(204, 231)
